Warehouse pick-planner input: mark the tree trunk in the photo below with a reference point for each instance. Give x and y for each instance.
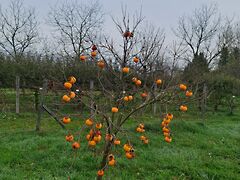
(107, 150)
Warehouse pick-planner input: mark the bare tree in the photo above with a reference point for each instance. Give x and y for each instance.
(200, 31)
(18, 29)
(75, 23)
(175, 55)
(230, 36)
(151, 43)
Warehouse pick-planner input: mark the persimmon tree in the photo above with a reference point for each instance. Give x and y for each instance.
(127, 77)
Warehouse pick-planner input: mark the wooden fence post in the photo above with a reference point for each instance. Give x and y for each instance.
(38, 103)
(17, 93)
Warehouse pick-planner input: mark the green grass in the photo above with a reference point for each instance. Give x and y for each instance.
(198, 151)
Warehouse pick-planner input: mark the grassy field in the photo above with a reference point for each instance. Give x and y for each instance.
(198, 151)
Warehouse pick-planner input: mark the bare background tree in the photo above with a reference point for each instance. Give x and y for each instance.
(18, 29)
(199, 32)
(75, 24)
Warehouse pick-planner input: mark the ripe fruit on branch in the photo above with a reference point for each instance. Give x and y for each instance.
(92, 143)
(97, 138)
(100, 172)
(82, 58)
(89, 122)
(183, 87)
(142, 138)
(101, 64)
(67, 85)
(140, 130)
(134, 79)
(91, 132)
(169, 116)
(114, 109)
(110, 157)
(72, 79)
(125, 70)
(166, 134)
(94, 47)
(138, 82)
(108, 137)
(69, 138)
(112, 162)
(98, 132)
(66, 98)
(130, 155)
(158, 81)
(88, 137)
(189, 93)
(94, 53)
(127, 34)
(168, 139)
(145, 141)
(126, 98)
(165, 130)
(144, 95)
(66, 120)
(117, 142)
(141, 125)
(136, 59)
(127, 147)
(183, 108)
(72, 94)
(99, 125)
(130, 98)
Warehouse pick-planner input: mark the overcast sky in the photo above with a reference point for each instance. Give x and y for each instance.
(161, 13)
